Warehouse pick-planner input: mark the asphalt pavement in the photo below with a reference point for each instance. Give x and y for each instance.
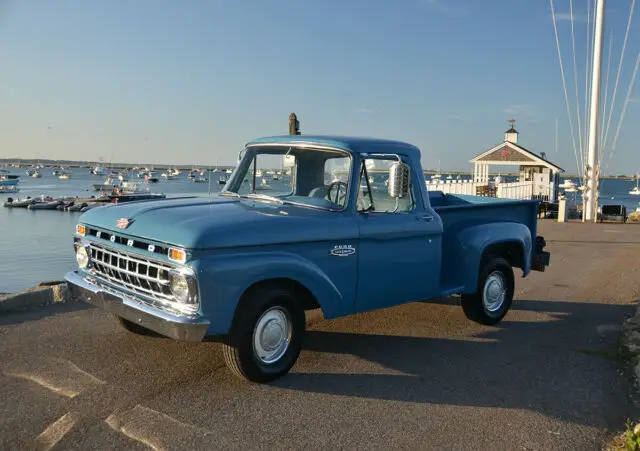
(418, 376)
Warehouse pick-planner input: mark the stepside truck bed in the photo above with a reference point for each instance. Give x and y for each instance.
(469, 222)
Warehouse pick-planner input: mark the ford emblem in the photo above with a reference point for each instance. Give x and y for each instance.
(342, 250)
(123, 223)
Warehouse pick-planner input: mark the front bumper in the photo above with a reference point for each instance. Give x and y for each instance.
(172, 326)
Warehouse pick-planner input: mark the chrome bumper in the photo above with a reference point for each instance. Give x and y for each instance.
(172, 326)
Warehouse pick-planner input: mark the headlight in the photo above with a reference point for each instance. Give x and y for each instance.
(183, 286)
(82, 256)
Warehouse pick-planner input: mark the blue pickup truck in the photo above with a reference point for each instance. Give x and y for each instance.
(343, 224)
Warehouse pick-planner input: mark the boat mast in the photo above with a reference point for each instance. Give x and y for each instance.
(590, 206)
(555, 140)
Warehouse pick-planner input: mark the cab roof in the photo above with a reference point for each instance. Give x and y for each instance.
(348, 143)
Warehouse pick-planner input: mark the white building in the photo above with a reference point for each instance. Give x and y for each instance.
(538, 179)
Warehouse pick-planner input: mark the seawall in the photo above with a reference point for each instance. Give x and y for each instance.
(46, 293)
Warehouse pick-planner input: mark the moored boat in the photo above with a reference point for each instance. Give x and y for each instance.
(50, 205)
(9, 189)
(76, 207)
(17, 203)
(567, 184)
(9, 182)
(129, 197)
(636, 190)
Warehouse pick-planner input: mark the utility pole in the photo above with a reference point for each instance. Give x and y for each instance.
(589, 202)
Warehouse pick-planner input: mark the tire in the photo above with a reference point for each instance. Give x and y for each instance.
(135, 328)
(494, 294)
(266, 336)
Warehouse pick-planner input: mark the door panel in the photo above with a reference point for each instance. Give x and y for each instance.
(399, 258)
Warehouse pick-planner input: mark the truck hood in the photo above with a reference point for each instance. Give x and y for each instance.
(219, 222)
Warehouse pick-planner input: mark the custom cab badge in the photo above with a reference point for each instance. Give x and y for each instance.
(123, 223)
(342, 250)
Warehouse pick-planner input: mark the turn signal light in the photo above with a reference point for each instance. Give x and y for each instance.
(81, 229)
(177, 255)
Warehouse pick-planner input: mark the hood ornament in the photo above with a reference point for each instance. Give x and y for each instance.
(123, 223)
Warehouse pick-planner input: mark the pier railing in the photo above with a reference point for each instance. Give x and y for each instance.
(452, 186)
(513, 190)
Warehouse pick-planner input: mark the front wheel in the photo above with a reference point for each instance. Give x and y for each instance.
(494, 294)
(266, 336)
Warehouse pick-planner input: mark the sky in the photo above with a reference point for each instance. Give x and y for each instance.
(190, 82)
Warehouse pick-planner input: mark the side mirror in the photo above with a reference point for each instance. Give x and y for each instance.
(398, 180)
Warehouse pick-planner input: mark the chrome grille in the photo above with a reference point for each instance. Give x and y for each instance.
(148, 278)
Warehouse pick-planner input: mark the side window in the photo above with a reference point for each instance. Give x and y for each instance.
(372, 189)
(336, 179)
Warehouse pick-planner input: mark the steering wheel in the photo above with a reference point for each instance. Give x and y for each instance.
(338, 184)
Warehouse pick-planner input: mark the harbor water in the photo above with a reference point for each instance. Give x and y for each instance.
(37, 244)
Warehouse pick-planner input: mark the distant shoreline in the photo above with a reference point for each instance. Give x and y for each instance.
(162, 167)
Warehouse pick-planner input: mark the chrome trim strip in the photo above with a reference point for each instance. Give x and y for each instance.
(301, 144)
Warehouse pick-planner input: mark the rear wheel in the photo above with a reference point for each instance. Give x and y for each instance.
(494, 293)
(266, 336)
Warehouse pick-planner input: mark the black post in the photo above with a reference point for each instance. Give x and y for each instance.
(294, 124)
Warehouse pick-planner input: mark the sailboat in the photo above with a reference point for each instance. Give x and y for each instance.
(636, 190)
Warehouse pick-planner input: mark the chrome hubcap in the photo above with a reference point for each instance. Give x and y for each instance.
(272, 335)
(495, 290)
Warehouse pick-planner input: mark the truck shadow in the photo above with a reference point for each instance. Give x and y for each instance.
(558, 365)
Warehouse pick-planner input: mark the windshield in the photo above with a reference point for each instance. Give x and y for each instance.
(317, 178)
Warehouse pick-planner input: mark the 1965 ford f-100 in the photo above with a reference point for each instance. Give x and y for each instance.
(242, 266)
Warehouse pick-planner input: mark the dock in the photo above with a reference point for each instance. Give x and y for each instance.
(79, 204)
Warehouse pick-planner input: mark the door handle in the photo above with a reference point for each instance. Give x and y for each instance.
(427, 218)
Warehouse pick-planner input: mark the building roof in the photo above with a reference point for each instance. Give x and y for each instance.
(512, 130)
(351, 144)
(507, 153)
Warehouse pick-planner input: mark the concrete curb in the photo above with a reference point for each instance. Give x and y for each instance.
(47, 293)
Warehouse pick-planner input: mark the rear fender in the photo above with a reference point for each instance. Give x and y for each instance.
(223, 279)
(475, 241)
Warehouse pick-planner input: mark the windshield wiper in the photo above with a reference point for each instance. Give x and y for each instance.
(253, 196)
(230, 193)
(265, 197)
